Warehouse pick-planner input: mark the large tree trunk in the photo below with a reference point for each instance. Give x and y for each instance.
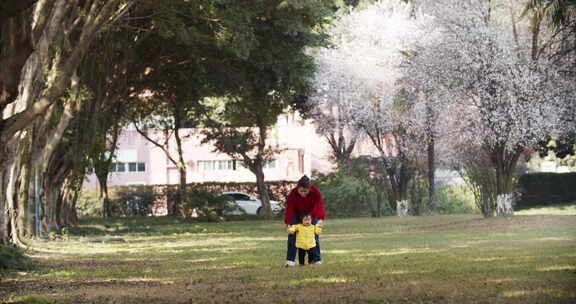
(13, 233)
(505, 162)
(181, 189)
(380, 196)
(341, 148)
(402, 208)
(431, 177)
(398, 190)
(399, 174)
(13, 56)
(181, 163)
(104, 198)
(263, 191)
(172, 207)
(68, 192)
(397, 167)
(430, 119)
(62, 32)
(259, 169)
(102, 169)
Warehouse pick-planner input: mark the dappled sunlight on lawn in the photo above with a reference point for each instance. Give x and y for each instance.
(562, 239)
(404, 272)
(350, 236)
(45, 249)
(469, 244)
(162, 281)
(524, 293)
(227, 266)
(557, 268)
(320, 280)
(346, 252)
(74, 250)
(192, 261)
(64, 274)
(461, 246)
(401, 251)
(501, 280)
(490, 259)
(218, 249)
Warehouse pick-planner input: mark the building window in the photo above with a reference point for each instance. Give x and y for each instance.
(270, 164)
(205, 165)
(212, 165)
(225, 165)
(128, 167)
(120, 167)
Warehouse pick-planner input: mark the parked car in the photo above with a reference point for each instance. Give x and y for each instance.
(251, 205)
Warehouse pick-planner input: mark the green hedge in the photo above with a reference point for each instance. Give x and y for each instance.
(136, 200)
(278, 190)
(541, 189)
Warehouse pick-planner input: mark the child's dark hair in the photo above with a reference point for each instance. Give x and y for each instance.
(306, 214)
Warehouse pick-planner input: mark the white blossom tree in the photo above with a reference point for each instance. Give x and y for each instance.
(331, 107)
(500, 97)
(360, 76)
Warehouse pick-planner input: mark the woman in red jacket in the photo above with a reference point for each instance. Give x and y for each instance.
(304, 199)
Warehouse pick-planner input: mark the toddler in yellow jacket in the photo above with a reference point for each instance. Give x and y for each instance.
(305, 238)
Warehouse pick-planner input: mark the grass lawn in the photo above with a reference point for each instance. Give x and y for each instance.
(435, 259)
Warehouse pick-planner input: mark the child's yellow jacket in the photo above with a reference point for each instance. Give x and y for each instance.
(305, 235)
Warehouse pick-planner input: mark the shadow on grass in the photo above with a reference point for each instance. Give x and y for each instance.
(164, 225)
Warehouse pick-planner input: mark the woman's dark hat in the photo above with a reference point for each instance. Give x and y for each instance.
(304, 182)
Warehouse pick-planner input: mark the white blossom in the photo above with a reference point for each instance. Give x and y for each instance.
(360, 73)
(497, 95)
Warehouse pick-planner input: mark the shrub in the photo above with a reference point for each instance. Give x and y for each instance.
(167, 194)
(278, 190)
(418, 195)
(133, 200)
(455, 200)
(88, 204)
(480, 176)
(537, 189)
(346, 195)
(13, 259)
(207, 205)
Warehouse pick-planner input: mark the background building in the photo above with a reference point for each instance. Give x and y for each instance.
(138, 161)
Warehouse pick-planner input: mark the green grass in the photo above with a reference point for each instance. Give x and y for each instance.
(564, 209)
(436, 259)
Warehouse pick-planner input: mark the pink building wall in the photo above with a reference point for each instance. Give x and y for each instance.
(303, 151)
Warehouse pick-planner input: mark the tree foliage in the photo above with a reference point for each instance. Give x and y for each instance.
(272, 78)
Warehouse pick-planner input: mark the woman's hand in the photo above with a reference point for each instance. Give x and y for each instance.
(320, 223)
